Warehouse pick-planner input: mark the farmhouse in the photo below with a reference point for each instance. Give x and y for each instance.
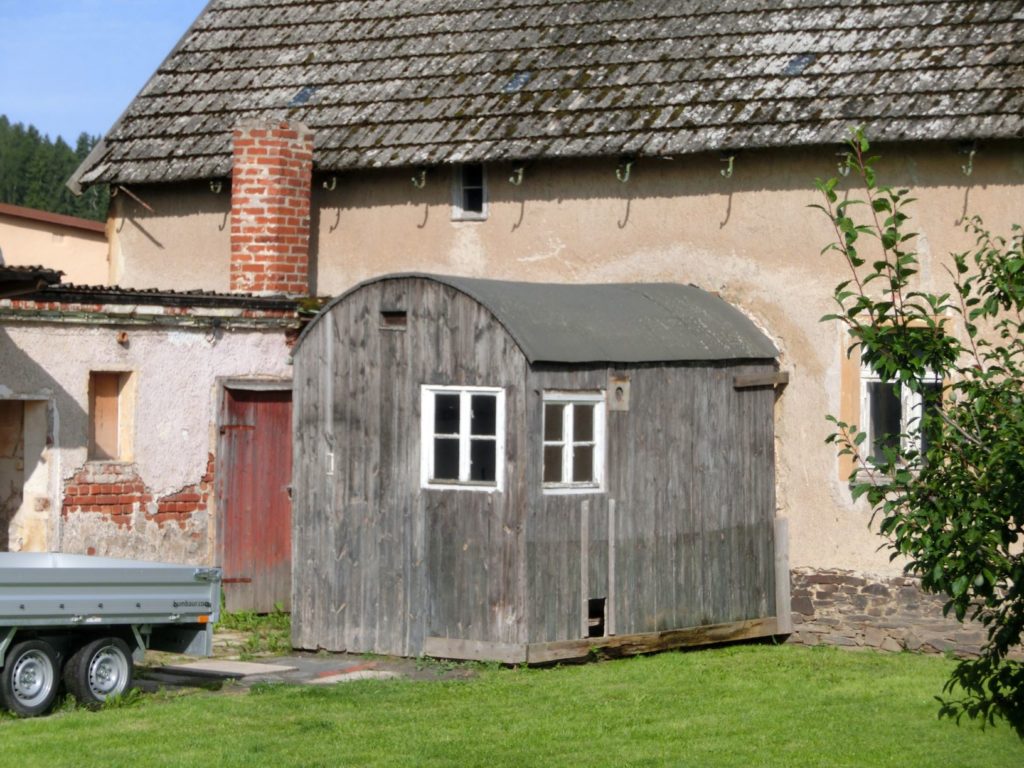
(294, 147)
(501, 470)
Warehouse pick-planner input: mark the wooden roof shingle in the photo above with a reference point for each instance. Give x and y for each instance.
(409, 82)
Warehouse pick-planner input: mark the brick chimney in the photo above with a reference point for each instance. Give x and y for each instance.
(271, 179)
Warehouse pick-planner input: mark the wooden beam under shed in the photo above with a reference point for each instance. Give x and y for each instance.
(777, 379)
(650, 642)
(609, 646)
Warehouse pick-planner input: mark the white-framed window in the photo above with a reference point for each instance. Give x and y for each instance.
(891, 413)
(469, 193)
(574, 442)
(462, 432)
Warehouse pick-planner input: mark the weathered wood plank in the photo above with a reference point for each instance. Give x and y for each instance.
(651, 642)
(474, 650)
(774, 379)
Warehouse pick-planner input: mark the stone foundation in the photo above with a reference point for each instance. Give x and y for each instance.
(844, 608)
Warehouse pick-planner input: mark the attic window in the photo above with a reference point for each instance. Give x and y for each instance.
(469, 193)
(462, 437)
(574, 442)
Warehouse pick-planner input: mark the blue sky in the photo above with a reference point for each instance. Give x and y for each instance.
(68, 66)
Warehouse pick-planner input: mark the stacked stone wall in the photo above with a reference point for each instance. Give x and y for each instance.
(844, 608)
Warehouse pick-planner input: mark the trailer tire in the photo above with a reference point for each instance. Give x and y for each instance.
(29, 680)
(99, 670)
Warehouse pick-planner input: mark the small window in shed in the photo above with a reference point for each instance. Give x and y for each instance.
(469, 193)
(394, 319)
(463, 437)
(574, 447)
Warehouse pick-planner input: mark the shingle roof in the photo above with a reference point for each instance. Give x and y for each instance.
(607, 322)
(407, 82)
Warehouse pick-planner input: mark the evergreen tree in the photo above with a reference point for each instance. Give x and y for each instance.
(34, 171)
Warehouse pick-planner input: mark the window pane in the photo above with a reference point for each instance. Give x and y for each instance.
(552, 463)
(885, 415)
(583, 423)
(446, 414)
(553, 421)
(484, 413)
(482, 463)
(583, 464)
(446, 458)
(473, 200)
(473, 175)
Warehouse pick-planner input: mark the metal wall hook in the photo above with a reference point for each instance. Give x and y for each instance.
(969, 149)
(517, 176)
(420, 180)
(216, 185)
(331, 185)
(623, 171)
(727, 171)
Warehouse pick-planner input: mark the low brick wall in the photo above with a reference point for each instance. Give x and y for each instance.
(844, 608)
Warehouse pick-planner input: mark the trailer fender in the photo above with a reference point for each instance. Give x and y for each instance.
(5, 643)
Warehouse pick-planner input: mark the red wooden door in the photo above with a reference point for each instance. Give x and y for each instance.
(256, 514)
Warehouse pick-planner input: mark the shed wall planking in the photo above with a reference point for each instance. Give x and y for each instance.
(681, 535)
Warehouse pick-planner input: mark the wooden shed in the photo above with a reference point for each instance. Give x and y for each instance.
(524, 471)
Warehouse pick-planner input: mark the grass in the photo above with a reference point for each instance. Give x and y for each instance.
(265, 633)
(739, 706)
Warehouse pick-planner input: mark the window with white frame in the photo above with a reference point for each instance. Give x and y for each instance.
(469, 193)
(574, 441)
(462, 437)
(891, 413)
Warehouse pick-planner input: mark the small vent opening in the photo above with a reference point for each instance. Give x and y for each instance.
(394, 319)
(595, 617)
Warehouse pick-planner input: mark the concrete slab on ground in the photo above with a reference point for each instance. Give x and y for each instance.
(229, 668)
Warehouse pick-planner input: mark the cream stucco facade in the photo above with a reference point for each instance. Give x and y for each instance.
(750, 237)
(76, 247)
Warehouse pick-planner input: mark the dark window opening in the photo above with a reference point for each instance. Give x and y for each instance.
(886, 415)
(470, 194)
(483, 465)
(446, 458)
(394, 319)
(484, 415)
(446, 414)
(595, 617)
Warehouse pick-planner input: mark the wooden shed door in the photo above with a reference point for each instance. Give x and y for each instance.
(255, 470)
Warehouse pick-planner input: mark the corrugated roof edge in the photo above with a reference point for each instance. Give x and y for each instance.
(760, 346)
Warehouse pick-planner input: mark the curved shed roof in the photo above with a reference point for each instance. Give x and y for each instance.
(608, 322)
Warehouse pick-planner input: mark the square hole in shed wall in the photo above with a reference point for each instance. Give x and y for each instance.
(394, 319)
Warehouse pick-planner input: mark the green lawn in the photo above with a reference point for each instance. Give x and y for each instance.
(739, 706)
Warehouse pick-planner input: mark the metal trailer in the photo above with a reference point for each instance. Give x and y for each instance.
(82, 621)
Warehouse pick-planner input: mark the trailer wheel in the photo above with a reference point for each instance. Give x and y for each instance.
(99, 670)
(28, 682)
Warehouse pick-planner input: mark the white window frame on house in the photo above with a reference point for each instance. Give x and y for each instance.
(910, 409)
(465, 436)
(459, 189)
(568, 442)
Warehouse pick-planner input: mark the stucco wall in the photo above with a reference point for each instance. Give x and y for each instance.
(182, 243)
(175, 375)
(750, 237)
(81, 255)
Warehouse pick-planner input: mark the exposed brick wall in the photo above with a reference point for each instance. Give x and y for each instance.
(837, 607)
(179, 507)
(270, 208)
(112, 490)
(115, 491)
